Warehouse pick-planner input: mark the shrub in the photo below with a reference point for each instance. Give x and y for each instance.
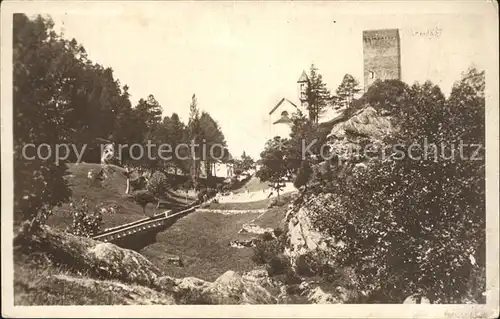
(188, 184)
(202, 195)
(278, 265)
(158, 184)
(417, 226)
(211, 192)
(84, 223)
(220, 187)
(304, 174)
(142, 198)
(269, 251)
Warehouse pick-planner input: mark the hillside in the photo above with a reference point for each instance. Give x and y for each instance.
(109, 192)
(201, 239)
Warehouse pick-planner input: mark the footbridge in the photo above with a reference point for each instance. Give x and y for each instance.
(140, 233)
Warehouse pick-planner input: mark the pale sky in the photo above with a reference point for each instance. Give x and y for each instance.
(241, 58)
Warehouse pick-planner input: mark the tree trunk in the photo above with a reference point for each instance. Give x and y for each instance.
(127, 191)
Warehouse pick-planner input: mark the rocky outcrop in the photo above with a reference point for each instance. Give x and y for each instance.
(104, 260)
(122, 294)
(238, 243)
(303, 237)
(413, 299)
(118, 268)
(318, 296)
(255, 229)
(367, 126)
(261, 278)
(366, 122)
(229, 288)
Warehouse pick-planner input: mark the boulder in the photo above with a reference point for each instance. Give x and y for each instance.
(121, 294)
(174, 260)
(106, 260)
(365, 122)
(303, 238)
(88, 255)
(261, 277)
(229, 288)
(414, 299)
(242, 243)
(255, 229)
(318, 296)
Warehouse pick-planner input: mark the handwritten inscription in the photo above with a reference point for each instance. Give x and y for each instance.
(429, 33)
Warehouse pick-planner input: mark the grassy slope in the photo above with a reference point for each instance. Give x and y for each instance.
(38, 282)
(110, 191)
(254, 184)
(202, 241)
(272, 218)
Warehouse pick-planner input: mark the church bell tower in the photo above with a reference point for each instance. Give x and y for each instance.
(302, 83)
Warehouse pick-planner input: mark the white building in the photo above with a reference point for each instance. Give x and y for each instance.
(280, 116)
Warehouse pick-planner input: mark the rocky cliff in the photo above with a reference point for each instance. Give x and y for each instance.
(349, 138)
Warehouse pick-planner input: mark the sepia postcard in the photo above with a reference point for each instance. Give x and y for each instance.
(250, 159)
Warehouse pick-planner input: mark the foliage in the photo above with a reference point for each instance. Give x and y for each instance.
(213, 140)
(206, 193)
(274, 163)
(41, 114)
(246, 163)
(84, 223)
(417, 225)
(389, 95)
(346, 91)
(175, 133)
(194, 136)
(301, 136)
(317, 95)
(158, 184)
(143, 198)
(304, 175)
(269, 251)
(57, 92)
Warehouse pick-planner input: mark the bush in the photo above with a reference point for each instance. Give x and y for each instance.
(304, 174)
(416, 226)
(202, 195)
(269, 251)
(84, 223)
(211, 192)
(158, 184)
(188, 184)
(278, 265)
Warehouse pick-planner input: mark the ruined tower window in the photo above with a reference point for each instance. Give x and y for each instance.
(284, 113)
(372, 74)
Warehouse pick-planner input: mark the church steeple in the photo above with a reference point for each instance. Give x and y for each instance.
(303, 77)
(302, 86)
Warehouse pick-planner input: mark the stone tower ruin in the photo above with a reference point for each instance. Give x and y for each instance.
(382, 55)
